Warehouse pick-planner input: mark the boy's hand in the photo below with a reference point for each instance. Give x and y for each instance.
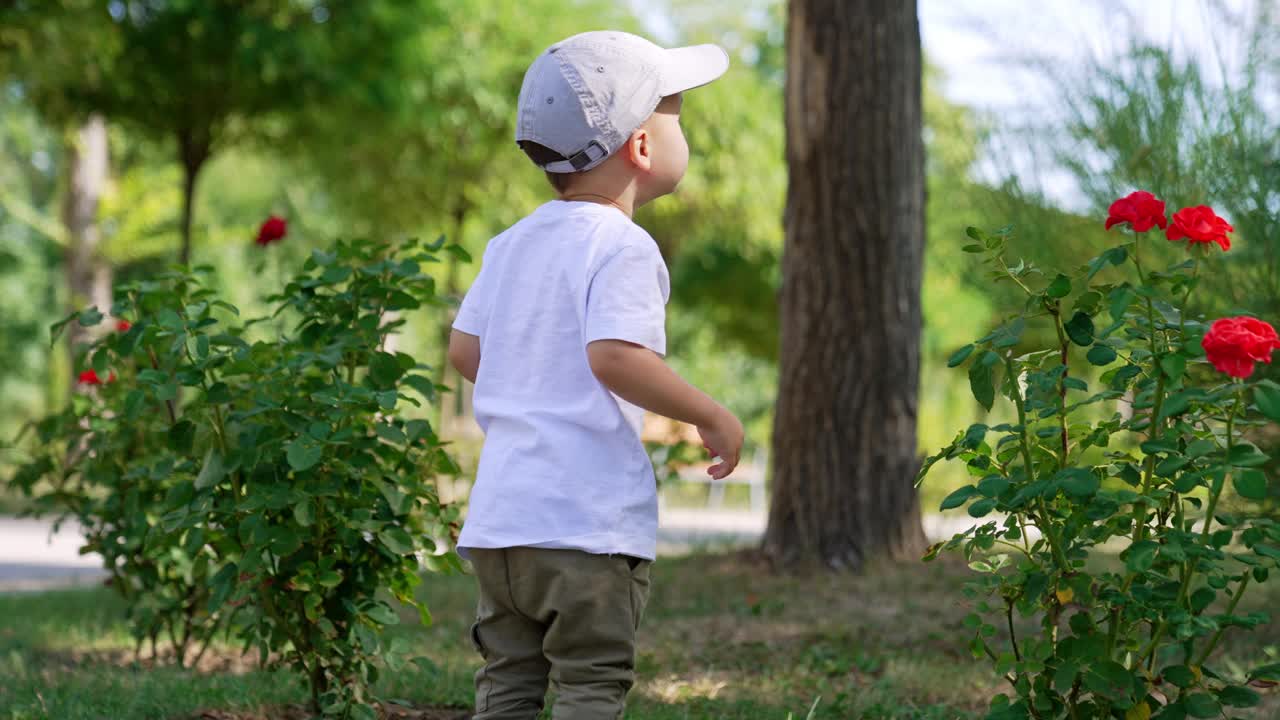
(723, 439)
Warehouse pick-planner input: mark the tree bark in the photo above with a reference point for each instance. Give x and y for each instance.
(88, 274)
(193, 150)
(844, 438)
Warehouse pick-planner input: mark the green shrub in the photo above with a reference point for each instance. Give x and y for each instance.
(261, 477)
(1135, 643)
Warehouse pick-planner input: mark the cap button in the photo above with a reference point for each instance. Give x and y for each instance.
(600, 68)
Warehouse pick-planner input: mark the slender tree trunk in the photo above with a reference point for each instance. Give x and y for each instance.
(844, 438)
(88, 274)
(444, 372)
(193, 151)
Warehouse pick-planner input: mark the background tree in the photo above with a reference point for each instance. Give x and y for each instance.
(845, 452)
(200, 74)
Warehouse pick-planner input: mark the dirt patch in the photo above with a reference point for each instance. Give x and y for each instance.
(217, 660)
(302, 712)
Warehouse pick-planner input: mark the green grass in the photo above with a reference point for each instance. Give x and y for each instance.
(722, 639)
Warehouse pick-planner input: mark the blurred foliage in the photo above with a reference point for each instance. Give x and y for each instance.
(387, 119)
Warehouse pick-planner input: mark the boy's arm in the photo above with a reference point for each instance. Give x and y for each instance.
(464, 354)
(639, 376)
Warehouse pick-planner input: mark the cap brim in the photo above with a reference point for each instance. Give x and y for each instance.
(691, 67)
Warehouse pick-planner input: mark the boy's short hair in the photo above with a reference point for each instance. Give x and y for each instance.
(542, 155)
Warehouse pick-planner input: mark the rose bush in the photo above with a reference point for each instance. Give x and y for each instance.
(270, 487)
(1139, 457)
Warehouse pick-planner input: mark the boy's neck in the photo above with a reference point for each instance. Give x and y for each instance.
(603, 186)
(574, 196)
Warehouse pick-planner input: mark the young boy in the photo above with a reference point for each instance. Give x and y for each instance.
(563, 335)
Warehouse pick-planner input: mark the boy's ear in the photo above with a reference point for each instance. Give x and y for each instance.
(639, 150)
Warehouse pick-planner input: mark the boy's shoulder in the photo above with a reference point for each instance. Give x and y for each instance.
(607, 229)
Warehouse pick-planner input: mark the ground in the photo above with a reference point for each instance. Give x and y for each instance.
(722, 639)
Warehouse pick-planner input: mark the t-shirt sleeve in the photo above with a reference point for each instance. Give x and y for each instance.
(627, 299)
(473, 314)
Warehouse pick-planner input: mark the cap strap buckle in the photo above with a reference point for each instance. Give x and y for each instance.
(578, 160)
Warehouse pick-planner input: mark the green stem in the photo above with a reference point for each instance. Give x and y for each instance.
(1043, 522)
(1231, 608)
(1216, 491)
(1062, 390)
(1186, 299)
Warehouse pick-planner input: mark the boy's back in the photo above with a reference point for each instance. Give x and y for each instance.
(565, 321)
(562, 465)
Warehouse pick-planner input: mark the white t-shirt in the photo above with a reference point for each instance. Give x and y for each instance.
(562, 464)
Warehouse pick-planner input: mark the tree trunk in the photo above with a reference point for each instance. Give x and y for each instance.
(444, 372)
(193, 151)
(844, 437)
(88, 274)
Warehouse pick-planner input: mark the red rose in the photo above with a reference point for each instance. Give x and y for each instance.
(272, 230)
(1200, 224)
(90, 377)
(1233, 345)
(1140, 209)
(123, 325)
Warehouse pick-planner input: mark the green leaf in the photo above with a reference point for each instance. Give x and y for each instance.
(335, 274)
(958, 498)
(89, 317)
(1269, 673)
(1246, 454)
(382, 614)
(1110, 256)
(1141, 555)
(424, 386)
(1010, 334)
(1109, 679)
(1251, 484)
(959, 356)
(1059, 288)
(993, 485)
(303, 454)
(1079, 482)
(169, 320)
(384, 370)
(458, 252)
(396, 540)
(329, 578)
(1120, 299)
(1080, 329)
(218, 393)
(212, 472)
(1201, 705)
(1171, 465)
(981, 382)
(1239, 696)
(1200, 448)
(982, 507)
(1173, 366)
(390, 433)
(1180, 675)
(1267, 397)
(182, 436)
(974, 248)
(1101, 355)
(304, 512)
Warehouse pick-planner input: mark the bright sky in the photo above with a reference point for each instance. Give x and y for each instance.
(974, 40)
(981, 45)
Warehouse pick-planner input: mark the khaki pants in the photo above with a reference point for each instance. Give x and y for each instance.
(560, 615)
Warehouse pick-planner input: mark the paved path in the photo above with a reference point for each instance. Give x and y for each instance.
(32, 557)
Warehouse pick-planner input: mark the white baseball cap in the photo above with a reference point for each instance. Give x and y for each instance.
(584, 96)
